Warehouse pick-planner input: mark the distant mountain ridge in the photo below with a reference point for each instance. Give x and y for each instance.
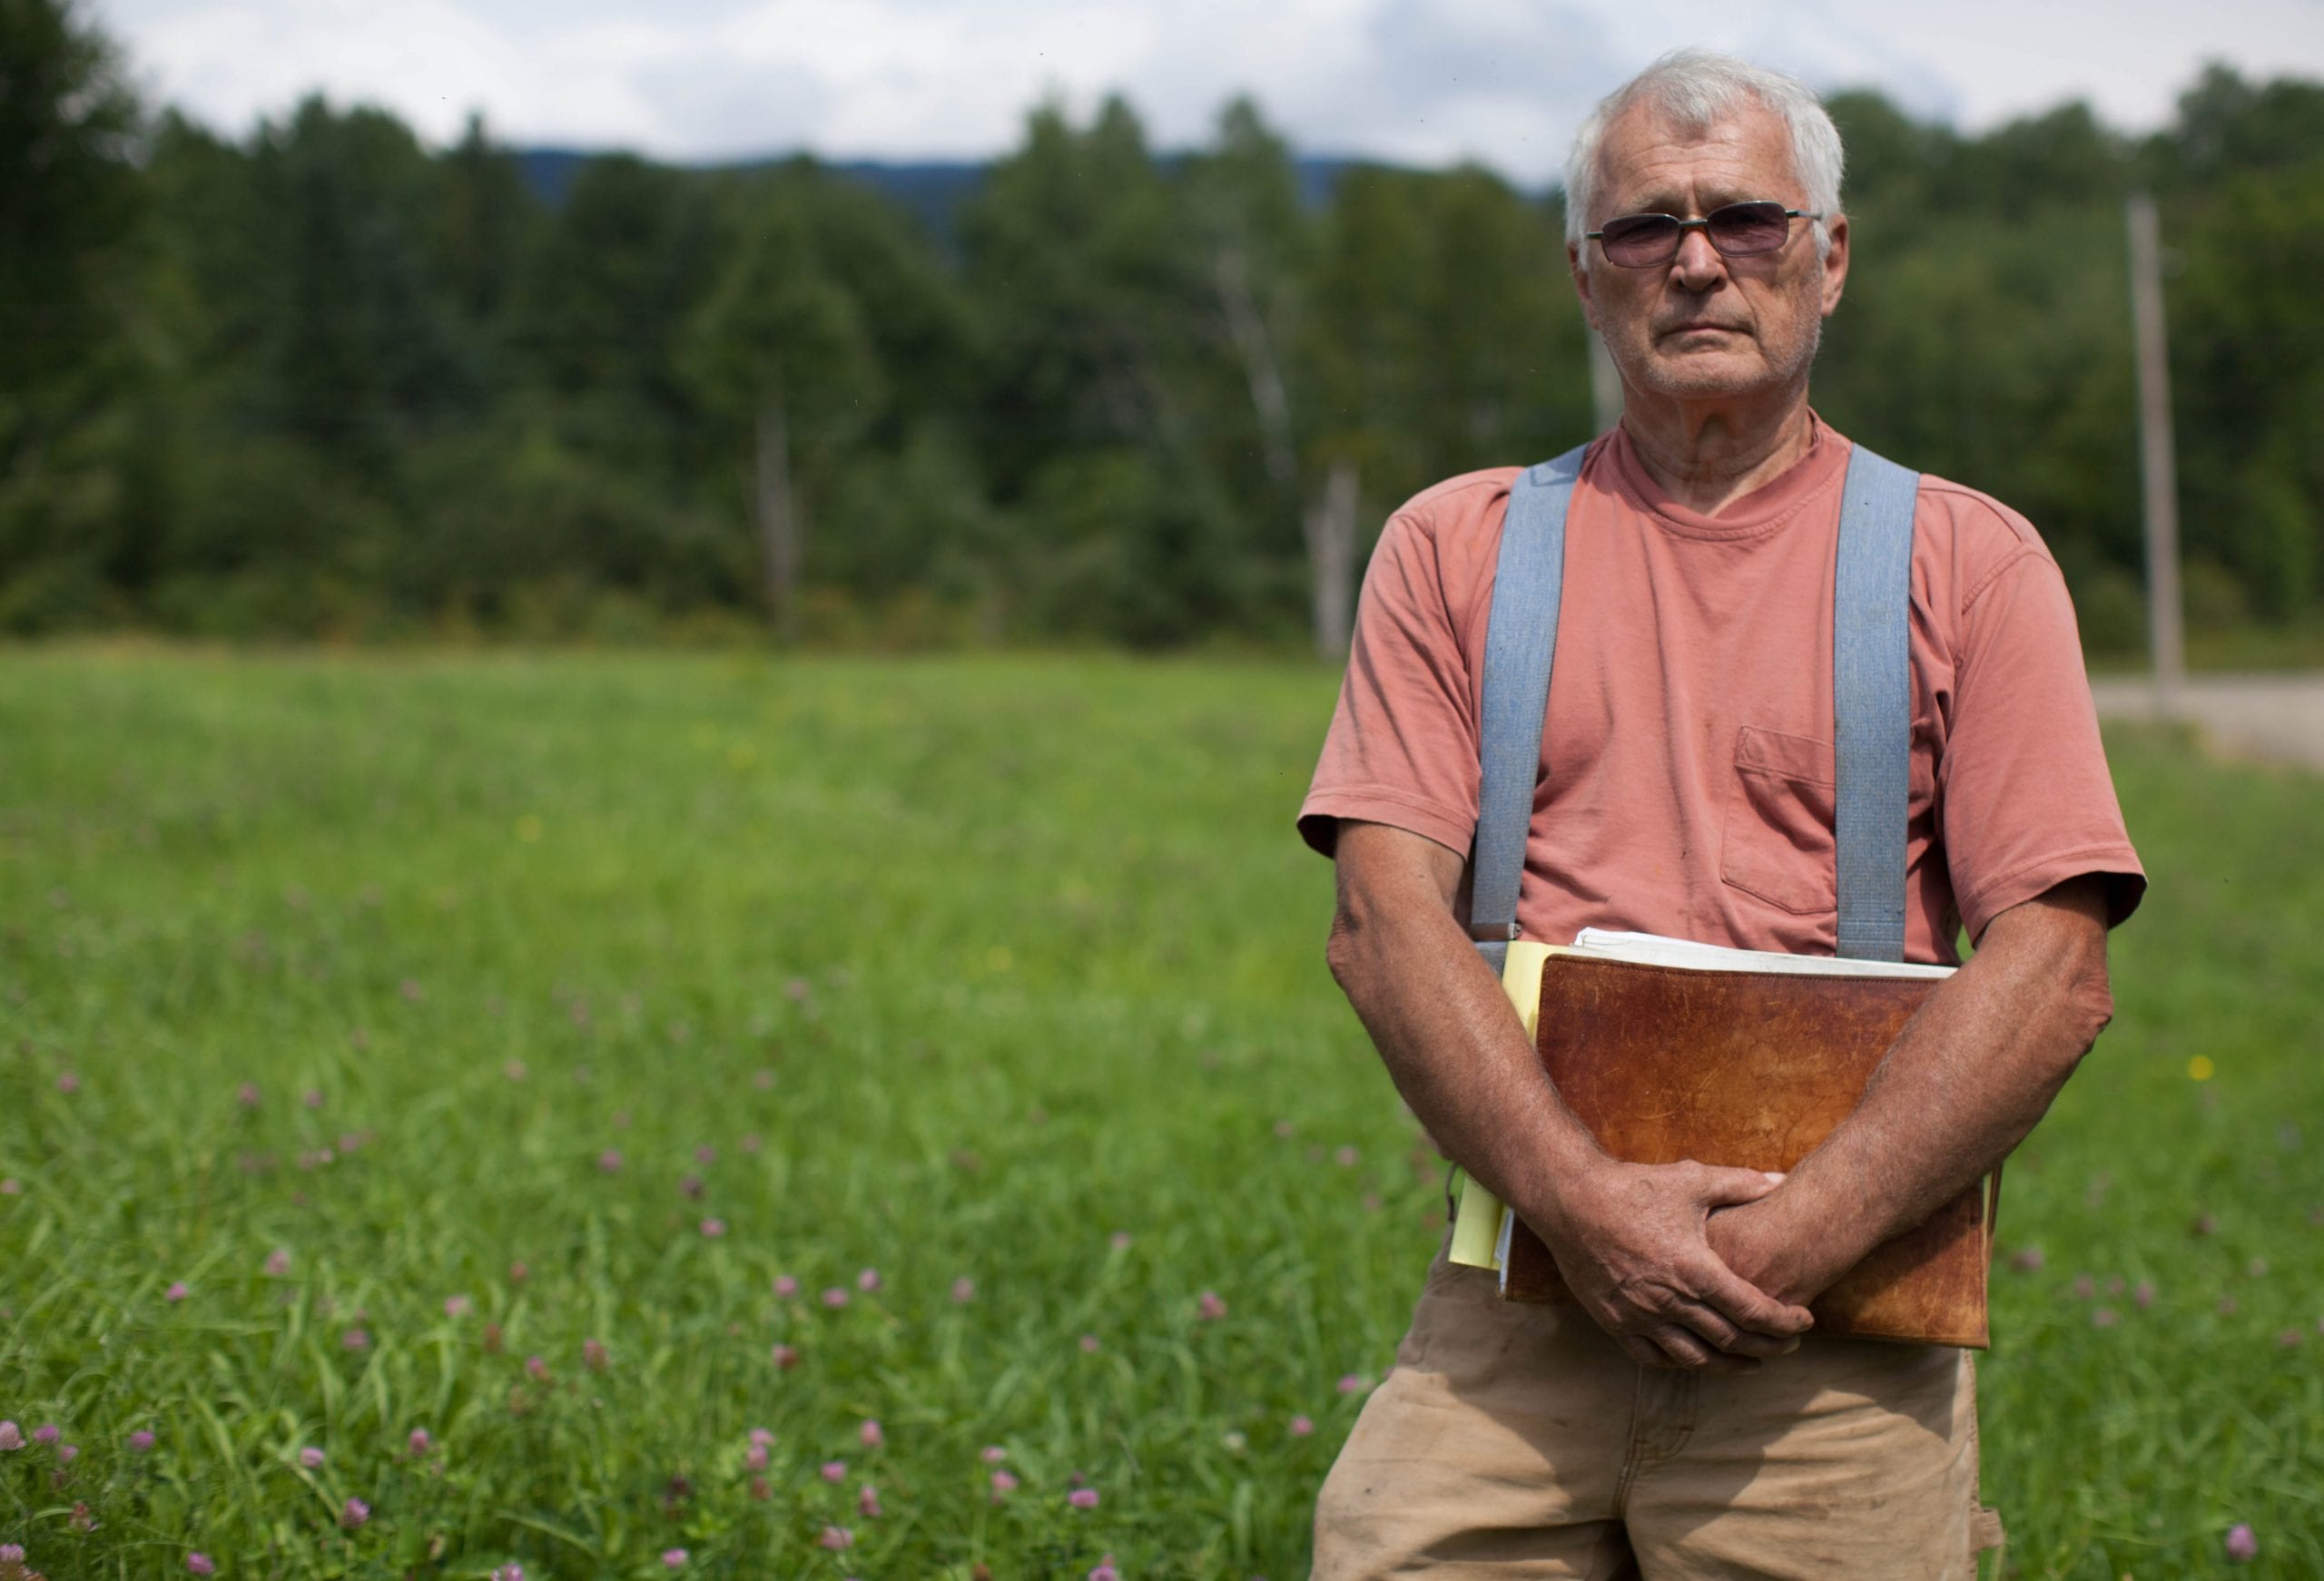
(931, 191)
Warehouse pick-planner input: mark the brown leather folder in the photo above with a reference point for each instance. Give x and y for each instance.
(1751, 1070)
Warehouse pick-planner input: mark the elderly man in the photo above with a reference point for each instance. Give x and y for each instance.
(1681, 1420)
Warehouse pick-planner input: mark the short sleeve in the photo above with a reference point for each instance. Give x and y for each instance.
(2027, 800)
(1402, 744)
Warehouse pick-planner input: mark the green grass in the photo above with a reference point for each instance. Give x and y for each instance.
(964, 969)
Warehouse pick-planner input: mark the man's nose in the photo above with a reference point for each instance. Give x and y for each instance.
(1698, 265)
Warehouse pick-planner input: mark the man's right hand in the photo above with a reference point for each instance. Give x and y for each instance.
(1629, 1239)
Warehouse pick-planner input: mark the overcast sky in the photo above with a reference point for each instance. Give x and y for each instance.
(1415, 81)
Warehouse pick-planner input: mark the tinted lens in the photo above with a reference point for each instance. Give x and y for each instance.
(1747, 227)
(1637, 239)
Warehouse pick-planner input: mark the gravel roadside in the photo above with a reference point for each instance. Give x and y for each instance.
(2279, 718)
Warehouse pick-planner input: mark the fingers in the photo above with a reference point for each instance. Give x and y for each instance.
(1686, 1349)
(1642, 1350)
(1707, 1324)
(1723, 1336)
(1761, 1347)
(1677, 1355)
(1697, 1340)
(1678, 1332)
(1724, 1339)
(1745, 1304)
(1727, 1188)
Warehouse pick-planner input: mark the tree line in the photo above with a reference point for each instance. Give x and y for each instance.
(323, 381)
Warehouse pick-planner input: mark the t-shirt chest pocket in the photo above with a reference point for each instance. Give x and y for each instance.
(1777, 841)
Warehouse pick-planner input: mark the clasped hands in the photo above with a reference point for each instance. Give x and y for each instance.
(1686, 1265)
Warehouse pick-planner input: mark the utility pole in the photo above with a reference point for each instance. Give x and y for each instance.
(2166, 638)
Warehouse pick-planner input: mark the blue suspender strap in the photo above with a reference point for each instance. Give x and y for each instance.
(1872, 703)
(1871, 698)
(1521, 641)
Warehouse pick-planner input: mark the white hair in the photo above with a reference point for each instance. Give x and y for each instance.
(1696, 89)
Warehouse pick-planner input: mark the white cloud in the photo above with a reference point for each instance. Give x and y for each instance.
(431, 60)
(1416, 80)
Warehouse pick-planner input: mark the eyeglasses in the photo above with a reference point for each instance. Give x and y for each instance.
(1737, 231)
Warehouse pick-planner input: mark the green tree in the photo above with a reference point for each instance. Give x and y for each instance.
(780, 351)
(68, 190)
(2225, 124)
(609, 285)
(2063, 157)
(358, 344)
(1985, 334)
(2001, 357)
(313, 350)
(1896, 166)
(482, 224)
(1079, 262)
(1446, 331)
(1105, 380)
(908, 327)
(2248, 365)
(69, 206)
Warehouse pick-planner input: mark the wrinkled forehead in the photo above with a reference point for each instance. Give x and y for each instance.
(1652, 162)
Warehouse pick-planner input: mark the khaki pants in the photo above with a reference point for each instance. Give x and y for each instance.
(1517, 1443)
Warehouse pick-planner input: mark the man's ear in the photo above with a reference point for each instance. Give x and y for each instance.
(1580, 274)
(1835, 263)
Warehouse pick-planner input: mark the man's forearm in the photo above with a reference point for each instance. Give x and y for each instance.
(1963, 1083)
(1452, 1043)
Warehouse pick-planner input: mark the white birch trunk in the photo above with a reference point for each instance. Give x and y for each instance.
(1329, 524)
(778, 517)
(1269, 399)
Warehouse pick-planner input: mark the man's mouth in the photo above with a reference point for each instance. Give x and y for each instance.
(1691, 325)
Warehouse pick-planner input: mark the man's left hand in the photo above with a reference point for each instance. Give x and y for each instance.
(1764, 1242)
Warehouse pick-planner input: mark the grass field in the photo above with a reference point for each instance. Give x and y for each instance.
(482, 1048)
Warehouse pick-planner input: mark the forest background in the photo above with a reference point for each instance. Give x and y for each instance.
(327, 382)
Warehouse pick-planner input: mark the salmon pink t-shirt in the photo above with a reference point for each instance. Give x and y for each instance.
(1686, 779)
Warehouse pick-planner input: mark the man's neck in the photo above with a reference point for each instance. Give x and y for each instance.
(1706, 457)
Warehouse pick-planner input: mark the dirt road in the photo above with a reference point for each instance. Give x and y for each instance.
(2276, 717)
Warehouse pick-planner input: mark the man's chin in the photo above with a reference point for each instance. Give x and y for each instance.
(1707, 375)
